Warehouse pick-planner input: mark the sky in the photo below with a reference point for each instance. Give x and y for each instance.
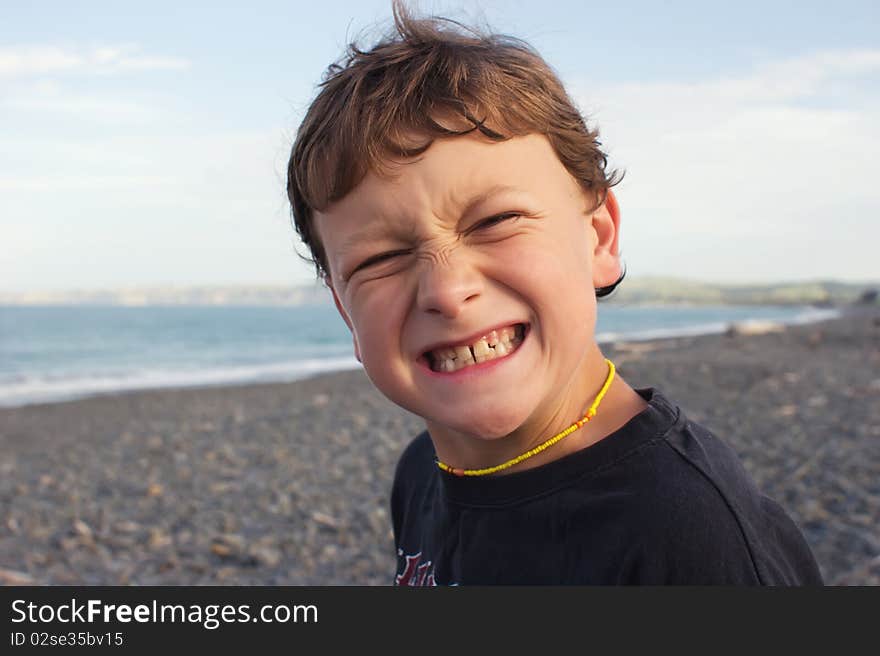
(146, 143)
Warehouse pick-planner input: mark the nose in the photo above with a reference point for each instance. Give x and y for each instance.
(447, 286)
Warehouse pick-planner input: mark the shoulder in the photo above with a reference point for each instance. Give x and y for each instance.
(682, 528)
(701, 518)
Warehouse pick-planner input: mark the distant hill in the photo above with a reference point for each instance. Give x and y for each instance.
(633, 291)
(672, 291)
(205, 295)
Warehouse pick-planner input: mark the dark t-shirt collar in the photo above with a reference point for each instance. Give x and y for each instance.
(499, 490)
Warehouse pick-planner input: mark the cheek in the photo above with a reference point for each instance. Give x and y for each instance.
(557, 285)
(378, 315)
(380, 330)
(556, 274)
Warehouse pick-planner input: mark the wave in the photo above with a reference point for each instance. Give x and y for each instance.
(41, 389)
(808, 315)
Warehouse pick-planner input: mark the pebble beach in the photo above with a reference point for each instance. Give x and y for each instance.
(289, 484)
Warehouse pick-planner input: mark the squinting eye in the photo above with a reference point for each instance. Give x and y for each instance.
(381, 257)
(495, 220)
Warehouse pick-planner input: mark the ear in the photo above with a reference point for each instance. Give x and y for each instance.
(345, 318)
(606, 255)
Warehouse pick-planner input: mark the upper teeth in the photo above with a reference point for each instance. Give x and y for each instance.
(492, 345)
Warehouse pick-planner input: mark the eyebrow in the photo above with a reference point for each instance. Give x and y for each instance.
(373, 232)
(486, 194)
(378, 230)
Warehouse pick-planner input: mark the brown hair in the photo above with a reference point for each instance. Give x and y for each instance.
(431, 78)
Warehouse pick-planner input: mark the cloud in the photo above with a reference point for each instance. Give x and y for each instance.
(94, 107)
(749, 175)
(49, 79)
(208, 172)
(29, 61)
(172, 207)
(66, 183)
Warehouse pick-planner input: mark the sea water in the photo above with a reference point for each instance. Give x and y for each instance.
(65, 352)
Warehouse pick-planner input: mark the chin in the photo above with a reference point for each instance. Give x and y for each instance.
(482, 426)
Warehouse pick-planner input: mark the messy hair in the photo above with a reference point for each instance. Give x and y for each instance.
(430, 78)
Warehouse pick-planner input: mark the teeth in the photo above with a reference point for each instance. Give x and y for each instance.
(463, 355)
(482, 352)
(445, 353)
(496, 344)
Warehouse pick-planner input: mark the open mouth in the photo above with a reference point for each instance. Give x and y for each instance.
(491, 346)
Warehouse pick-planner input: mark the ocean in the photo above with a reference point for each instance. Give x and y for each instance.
(66, 352)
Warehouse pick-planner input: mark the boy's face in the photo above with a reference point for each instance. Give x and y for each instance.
(471, 238)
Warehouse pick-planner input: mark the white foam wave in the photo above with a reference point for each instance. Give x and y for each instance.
(808, 315)
(662, 333)
(813, 314)
(45, 389)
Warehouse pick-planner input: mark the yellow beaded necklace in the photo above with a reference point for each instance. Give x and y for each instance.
(591, 412)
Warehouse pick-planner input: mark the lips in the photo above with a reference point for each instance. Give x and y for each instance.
(492, 345)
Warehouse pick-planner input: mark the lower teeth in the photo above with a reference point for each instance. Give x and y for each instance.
(501, 349)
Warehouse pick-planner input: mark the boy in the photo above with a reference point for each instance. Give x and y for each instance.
(460, 211)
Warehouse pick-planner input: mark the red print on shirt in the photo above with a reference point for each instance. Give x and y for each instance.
(416, 573)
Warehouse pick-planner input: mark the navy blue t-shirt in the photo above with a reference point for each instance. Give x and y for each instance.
(661, 501)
